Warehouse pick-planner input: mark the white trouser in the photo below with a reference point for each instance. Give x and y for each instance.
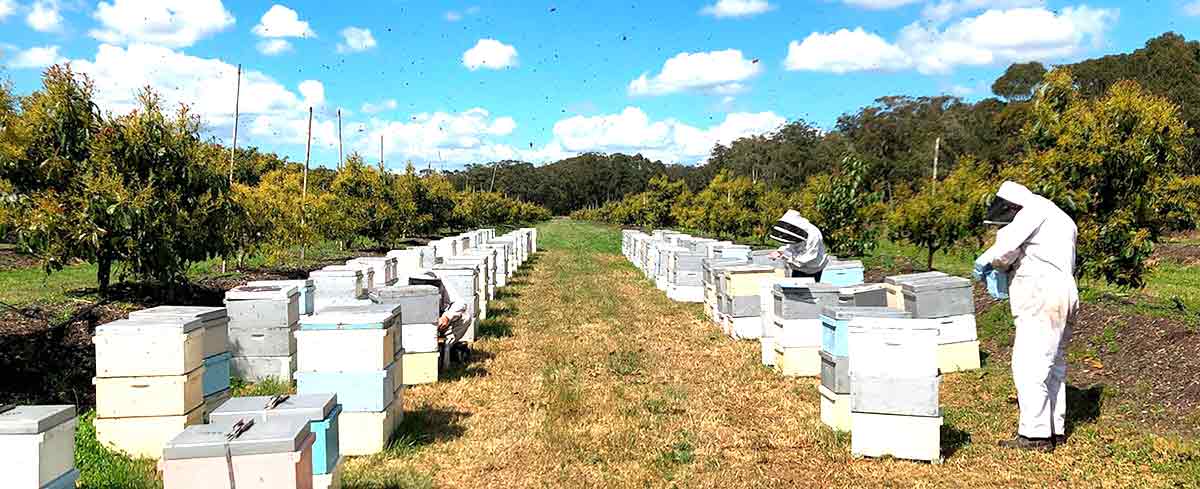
(1043, 309)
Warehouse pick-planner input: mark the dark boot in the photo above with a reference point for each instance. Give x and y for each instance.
(1036, 444)
(1060, 440)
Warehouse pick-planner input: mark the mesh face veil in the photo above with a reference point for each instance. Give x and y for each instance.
(1001, 212)
(787, 229)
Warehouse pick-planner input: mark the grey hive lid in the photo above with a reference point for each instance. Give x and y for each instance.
(750, 269)
(358, 316)
(803, 290)
(936, 283)
(202, 313)
(275, 435)
(31, 420)
(150, 325)
(459, 269)
(312, 407)
(349, 267)
(339, 271)
(850, 312)
(262, 292)
(909, 277)
(397, 291)
(858, 289)
(302, 283)
(843, 264)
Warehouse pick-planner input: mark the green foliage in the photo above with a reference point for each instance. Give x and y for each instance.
(1180, 205)
(846, 210)
(476, 209)
(100, 467)
(1018, 81)
(1109, 163)
(943, 214)
(727, 208)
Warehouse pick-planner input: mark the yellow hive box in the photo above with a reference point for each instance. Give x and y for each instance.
(168, 395)
(155, 352)
(895, 296)
(835, 409)
(958, 357)
(798, 361)
(419, 368)
(144, 436)
(746, 280)
(366, 433)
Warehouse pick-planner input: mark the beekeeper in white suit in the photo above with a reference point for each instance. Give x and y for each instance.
(1036, 248)
(453, 308)
(803, 246)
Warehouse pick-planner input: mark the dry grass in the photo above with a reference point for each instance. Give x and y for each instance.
(593, 378)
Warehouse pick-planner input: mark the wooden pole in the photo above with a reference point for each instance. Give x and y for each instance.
(339, 163)
(304, 184)
(937, 149)
(381, 152)
(492, 187)
(237, 97)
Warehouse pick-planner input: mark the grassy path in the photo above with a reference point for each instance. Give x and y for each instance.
(590, 377)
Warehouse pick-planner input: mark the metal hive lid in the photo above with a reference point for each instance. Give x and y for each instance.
(203, 313)
(142, 325)
(275, 435)
(261, 293)
(31, 420)
(850, 312)
(312, 407)
(936, 283)
(909, 277)
(302, 283)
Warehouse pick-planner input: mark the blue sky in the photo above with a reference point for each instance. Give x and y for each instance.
(447, 83)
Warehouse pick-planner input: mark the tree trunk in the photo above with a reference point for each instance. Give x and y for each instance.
(103, 273)
(929, 258)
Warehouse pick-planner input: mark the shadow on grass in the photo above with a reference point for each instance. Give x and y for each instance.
(494, 327)
(425, 426)
(1083, 405)
(953, 439)
(469, 368)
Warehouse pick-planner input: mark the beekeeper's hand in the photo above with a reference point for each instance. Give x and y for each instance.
(443, 323)
(775, 255)
(982, 268)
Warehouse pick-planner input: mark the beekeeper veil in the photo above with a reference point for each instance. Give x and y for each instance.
(789, 229)
(1006, 204)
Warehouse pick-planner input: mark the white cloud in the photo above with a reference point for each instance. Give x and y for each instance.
(44, 16)
(719, 72)
(993, 37)
(271, 47)
(844, 51)
(7, 8)
(171, 23)
(879, 4)
(280, 21)
(947, 9)
(1192, 8)
(272, 112)
(736, 8)
(461, 137)
(960, 90)
(371, 108)
(355, 39)
(490, 54)
(632, 131)
(35, 57)
(999, 36)
(455, 16)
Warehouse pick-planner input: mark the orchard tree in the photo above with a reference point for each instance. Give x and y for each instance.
(1018, 81)
(1109, 163)
(845, 208)
(361, 204)
(943, 214)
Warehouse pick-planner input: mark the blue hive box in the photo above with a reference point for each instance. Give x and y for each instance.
(843, 273)
(370, 391)
(321, 410)
(997, 284)
(835, 333)
(216, 373)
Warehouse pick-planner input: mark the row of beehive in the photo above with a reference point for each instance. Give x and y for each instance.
(263, 328)
(804, 328)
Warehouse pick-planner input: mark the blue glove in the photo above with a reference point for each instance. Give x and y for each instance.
(982, 269)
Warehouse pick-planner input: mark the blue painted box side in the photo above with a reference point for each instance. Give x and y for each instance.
(835, 337)
(356, 391)
(843, 277)
(216, 373)
(325, 448)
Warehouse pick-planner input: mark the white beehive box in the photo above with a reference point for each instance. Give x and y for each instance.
(337, 285)
(956, 329)
(907, 437)
(418, 338)
(167, 395)
(804, 361)
(418, 368)
(306, 288)
(216, 323)
(143, 436)
(366, 433)
(141, 347)
(384, 268)
(37, 443)
(408, 260)
(898, 348)
(835, 409)
(345, 350)
(794, 333)
(263, 306)
(958, 357)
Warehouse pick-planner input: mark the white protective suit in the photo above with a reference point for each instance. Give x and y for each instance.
(1038, 250)
(809, 256)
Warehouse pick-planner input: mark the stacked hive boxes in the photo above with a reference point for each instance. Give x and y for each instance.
(508, 265)
(217, 358)
(262, 319)
(384, 268)
(835, 359)
(797, 305)
(949, 300)
(709, 269)
(306, 287)
(320, 411)
(894, 384)
(38, 444)
(489, 268)
(242, 454)
(865, 295)
(501, 252)
(479, 265)
(370, 280)
(462, 281)
(337, 288)
(739, 294)
(662, 277)
(419, 306)
(685, 280)
(149, 382)
(351, 351)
